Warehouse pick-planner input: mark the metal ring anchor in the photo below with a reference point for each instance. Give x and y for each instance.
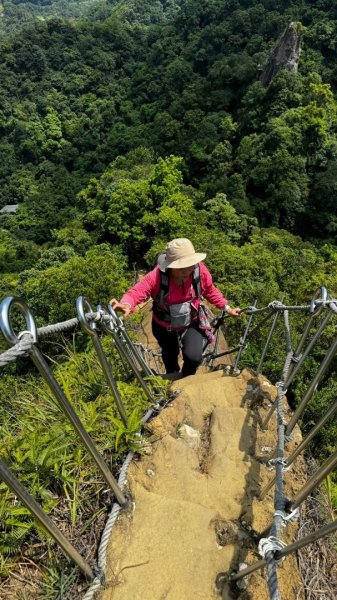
(89, 326)
(107, 324)
(316, 309)
(5, 307)
(116, 319)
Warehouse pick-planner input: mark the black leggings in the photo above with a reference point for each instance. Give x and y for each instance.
(192, 343)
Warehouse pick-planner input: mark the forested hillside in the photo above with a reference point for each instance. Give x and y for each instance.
(124, 124)
(76, 95)
(16, 14)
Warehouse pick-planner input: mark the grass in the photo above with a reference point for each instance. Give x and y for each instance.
(42, 449)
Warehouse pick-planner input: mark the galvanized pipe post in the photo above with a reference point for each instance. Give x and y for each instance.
(29, 502)
(299, 449)
(112, 330)
(315, 310)
(312, 387)
(90, 328)
(315, 480)
(270, 334)
(69, 411)
(215, 349)
(296, 365)
(128, 342)
(109, 377)
(243, 340)
(53, 385)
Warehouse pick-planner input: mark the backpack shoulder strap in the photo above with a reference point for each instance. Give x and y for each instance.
(196, 279)
(164, 286)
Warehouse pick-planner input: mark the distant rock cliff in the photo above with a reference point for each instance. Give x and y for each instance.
(285, 55)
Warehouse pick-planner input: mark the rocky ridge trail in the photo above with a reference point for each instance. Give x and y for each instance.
(195, 511)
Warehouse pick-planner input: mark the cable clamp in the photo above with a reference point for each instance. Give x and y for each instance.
(276, 305)
(252, 309)
(296, 359)
(290, 437)
(288, 518)
(278, 461)
(286, 468)
(270, 545)
(279, 384)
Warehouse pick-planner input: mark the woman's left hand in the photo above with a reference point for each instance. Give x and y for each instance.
(234, 312)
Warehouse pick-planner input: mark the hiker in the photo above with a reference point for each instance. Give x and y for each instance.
(177, 285)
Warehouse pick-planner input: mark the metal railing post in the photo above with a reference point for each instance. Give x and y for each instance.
(53, 385)
(312, 387)
(111, 329)
(69, 411)
(270, 334)
(315, 480)
(90, 328)
(29, 502)
(285, 369)
(298, 359)
(128, 342)
(315, 311)
(243, 340)
(299, 449)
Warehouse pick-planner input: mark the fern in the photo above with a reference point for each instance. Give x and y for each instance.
(42, 448)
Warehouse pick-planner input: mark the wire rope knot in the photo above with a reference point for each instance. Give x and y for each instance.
(270, 545)
(98, 315)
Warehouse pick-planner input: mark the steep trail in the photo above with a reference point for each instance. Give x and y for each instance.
(194, 496)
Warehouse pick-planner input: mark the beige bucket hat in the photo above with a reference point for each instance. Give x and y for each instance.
(180, 253)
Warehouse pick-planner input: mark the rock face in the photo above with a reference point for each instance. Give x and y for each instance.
(195, 507)
(285, 55)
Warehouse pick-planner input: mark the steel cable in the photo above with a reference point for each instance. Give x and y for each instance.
(279, 500)
(20, 349)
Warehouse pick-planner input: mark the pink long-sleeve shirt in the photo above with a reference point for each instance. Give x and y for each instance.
(149, 286)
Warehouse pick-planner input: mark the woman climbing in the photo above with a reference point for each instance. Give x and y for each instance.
(177, 284)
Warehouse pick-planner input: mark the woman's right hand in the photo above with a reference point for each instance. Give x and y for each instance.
(121, 306)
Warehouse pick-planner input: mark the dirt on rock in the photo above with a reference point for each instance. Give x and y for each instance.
(195, 511)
